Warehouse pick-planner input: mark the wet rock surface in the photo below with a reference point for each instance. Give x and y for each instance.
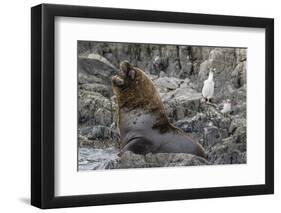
(178, 73)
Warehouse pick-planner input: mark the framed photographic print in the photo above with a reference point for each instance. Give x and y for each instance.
(139, 106)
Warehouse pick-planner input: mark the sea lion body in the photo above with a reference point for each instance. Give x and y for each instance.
(142, 121)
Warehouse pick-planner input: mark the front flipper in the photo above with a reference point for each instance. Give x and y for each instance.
(139, 146)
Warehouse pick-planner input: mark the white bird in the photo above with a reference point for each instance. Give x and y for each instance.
(226, 107)
(208, 88)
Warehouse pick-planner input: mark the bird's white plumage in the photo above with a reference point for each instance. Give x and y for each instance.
(226, 107)
(208, 88)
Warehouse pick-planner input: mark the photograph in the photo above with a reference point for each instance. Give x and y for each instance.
(143, 105)
(133, 105)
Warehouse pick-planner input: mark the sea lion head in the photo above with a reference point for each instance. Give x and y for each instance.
(127, 70)
(132, 87)
(125, 77)
(124, 83)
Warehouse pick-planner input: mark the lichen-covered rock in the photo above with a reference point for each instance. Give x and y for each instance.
(212, 136)
(102, 132)
(97, 87)
(238, 126)
(206, 128)
(99, 137)
(90, 102)
(165, 84)
(180, 103)
(103, 116)
(241, 55)
(186, 66)
(200, 54)
(95, 64)
(131, 160)
(238, 75)
(204, 71)
(84, 78)
(196, 123)
(229, 152)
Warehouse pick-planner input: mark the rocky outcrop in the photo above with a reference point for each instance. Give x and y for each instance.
(94, 108)
(99, 137)
(178, 73)
(131, 160)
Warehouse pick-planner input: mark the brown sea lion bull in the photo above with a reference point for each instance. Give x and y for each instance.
(142, 121)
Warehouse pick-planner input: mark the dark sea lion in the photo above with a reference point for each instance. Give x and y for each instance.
(142, 121)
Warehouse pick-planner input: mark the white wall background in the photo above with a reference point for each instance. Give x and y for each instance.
(15, 105)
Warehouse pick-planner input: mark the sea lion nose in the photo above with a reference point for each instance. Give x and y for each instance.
(121, 74)
(117, 80)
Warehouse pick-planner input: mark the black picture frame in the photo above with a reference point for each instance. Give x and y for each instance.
(43, 105)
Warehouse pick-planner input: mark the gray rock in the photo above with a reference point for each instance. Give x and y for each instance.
(222, 59)
(84, 141)
(102, 132)
(88, 103)
(162, 74)
(229, 152)
(212, 136)
(200, 54)
(180, 103)
(204, 71)
(158, 65)
(111, 164)
(186, 70)
(196, 123)
(238, 76)
(103, 116)
(202, 125)
(92, 63)
(99, 137)
(167, 83)
(84, 78)
(185, 62)
(238, 126)
(96, 87)
(100, 62)
(89, 67)
(131, 160)
(232, 150)
(241, 55)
